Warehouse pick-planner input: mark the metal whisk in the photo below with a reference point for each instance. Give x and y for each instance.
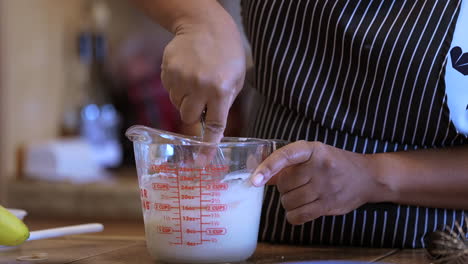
(448, 246)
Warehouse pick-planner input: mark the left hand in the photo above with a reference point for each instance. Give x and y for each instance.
(315, 179)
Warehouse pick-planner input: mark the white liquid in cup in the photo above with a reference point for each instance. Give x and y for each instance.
(232, 234)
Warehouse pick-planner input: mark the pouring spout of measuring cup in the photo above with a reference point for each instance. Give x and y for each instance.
(143, 134)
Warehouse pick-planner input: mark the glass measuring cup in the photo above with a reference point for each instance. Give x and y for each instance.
(196, 212)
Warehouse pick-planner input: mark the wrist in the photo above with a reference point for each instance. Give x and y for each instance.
(384, 171)
(209, 15)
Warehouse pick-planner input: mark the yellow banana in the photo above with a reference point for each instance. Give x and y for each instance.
(12, 230)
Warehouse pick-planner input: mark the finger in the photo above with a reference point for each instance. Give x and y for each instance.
(216, 118)
(305, 213)
(176, 98)
(289, 155)
(274, 179)
(191, 109)
(291, 178)
(169, 78)
(171, 83)
(206, 155)
(299, 197)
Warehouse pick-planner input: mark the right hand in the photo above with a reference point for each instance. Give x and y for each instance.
(204, 67)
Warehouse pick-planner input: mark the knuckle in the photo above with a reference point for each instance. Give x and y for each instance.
(317, 146)
(201, 78)
(223, 87)
(339, 211)
(282, 182)
(328, 208)
(300, 218)
(285, 153)
(286, 202)
(329, 164)
(215, 127)
(174, 101)
(168, 65)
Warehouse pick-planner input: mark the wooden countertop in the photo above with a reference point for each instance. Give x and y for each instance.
(112, 249)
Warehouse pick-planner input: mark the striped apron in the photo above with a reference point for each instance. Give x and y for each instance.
(364, 76)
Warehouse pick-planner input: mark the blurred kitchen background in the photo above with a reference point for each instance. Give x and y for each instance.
(74, 75)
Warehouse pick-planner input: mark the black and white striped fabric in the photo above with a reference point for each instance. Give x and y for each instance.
(365, 76)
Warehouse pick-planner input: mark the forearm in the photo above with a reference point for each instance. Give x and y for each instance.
(171, 14)
(430, 177)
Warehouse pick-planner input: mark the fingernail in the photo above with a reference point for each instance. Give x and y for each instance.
(258, 179)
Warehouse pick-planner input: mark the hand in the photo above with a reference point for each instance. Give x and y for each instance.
(204, 67)
(315, 179)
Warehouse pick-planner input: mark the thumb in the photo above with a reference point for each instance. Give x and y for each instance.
(287, 156)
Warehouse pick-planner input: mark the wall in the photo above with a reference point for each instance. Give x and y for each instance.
(32, 72)
(37, 58)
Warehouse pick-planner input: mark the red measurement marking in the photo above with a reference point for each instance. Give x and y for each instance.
(180, 213)
(201, 234)
(172, 243)
(192, 219)
(146, 204)
(214, 194)
(185, 169)
(160, 186)
(217, 186)
(217, 168)
(216, 207)
(206, 240)
(188, 197)
(192, 231)
(205, 200)
(144, 193)
(216, 231)
(187, 178)
(165, 197)
(162, 168)
(192, 244)
(164, 229)
(162, 207)
(187, 187)
(190, 208)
